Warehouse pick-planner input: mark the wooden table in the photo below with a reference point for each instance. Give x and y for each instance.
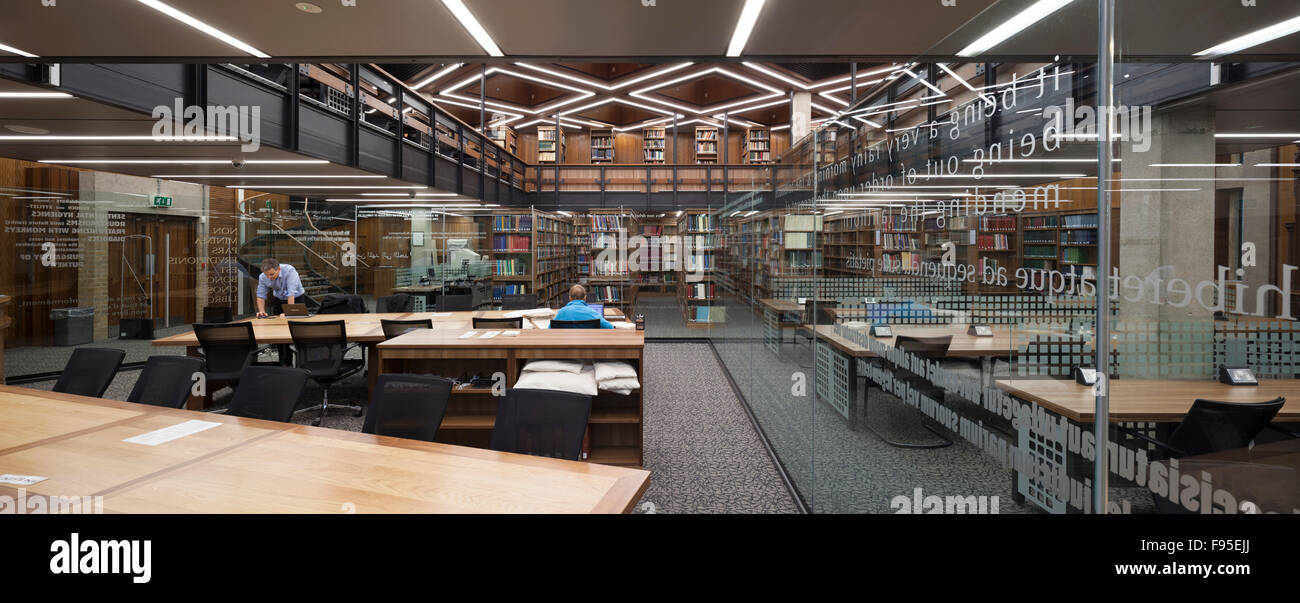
(616, 434)
(365, 329)
(253, 466)
(1139, 400)
(774, 322)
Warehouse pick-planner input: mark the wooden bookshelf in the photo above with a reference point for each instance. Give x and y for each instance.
(826, 153)
(504, 137)
(758, 146)
(697, 290)
(549, 144)
(555, 267)
(706, 144)
(609, 281)
(602, 146)
(653, 144)
(659, 273)
(511, 237)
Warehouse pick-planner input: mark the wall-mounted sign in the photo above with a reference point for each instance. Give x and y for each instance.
(160, 201)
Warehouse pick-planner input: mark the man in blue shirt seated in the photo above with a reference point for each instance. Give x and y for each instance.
(278, 284)
(579, 310)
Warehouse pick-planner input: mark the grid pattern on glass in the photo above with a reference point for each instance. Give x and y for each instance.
(1268, 347)
(1163, 350)
(1053, 355)
(1048, 455)
(832, 378)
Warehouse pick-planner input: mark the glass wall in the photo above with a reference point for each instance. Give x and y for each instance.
(948, 295)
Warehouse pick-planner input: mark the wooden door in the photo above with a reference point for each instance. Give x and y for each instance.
(153, 271)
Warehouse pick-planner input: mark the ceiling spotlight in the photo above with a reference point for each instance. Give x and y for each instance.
(308, 7)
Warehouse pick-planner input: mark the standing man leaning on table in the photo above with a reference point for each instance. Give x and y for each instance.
(278, 285)
(577, 308)
(281, 282)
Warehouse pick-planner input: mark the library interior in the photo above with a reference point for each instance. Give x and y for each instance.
(849, 256)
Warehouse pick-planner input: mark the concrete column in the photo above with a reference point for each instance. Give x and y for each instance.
(800, 116)
(1257, 220)
(1167, 235)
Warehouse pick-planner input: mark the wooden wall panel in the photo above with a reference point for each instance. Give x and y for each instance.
(36, 289)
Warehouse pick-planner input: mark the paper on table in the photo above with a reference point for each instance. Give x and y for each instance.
(21, 480)
(167, 434)
(510, 334)
(467, 335)
(490, 334)
(515, 314)
(441, 314)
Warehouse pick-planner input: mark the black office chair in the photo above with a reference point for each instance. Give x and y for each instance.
(930, 348)
(576, 324)
(320, 349)
(393, 328)
(218, 314)
(90, 371)
(408, 406)
(1212, 426)
(227, 350)
(269, 393)
(455, 303)
(398, 302)
(166, 381)
(523, 301)
(500, 323)
(541, 422)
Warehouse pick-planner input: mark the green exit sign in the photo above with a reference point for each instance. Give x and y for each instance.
(162, 201)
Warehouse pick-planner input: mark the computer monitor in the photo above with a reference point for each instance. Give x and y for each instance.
(599, 308)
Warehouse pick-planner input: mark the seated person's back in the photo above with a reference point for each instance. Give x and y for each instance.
(577, 309)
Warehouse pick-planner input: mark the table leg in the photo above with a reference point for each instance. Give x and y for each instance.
(373, 368)
(198, 402)
(855, 408)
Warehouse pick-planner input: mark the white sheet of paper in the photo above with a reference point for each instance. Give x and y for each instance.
(490, 334)
(441, 314)
(467, 335)
(510, 334)
(21, 480)
(175, 432)
(515, 314)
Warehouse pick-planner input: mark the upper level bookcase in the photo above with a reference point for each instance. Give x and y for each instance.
(548, 144)
(653, 144)
(602, 146)
(706, 144)
(758, 145)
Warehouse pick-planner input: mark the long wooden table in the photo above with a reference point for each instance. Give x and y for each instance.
(254, 466)
(365, 329)
(1154, 400)
(616, 434)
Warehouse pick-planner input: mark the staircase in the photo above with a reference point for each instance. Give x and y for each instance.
(292, 242)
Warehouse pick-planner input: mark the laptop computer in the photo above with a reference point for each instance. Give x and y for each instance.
(599, 308)
(295, 310)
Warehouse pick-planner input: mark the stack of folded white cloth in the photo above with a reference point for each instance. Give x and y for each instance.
(616, 376)
(559, 375)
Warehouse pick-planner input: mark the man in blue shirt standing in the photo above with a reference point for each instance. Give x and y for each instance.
(577, 309)
(279, 284)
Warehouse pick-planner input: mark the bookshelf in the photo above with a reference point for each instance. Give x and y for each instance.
(609, 280)
(548, 143)
(555, 269)
(706, 144)
(826, 153)
(697, 289)
(657, 271)
(653, 144)
(504, 137)
(758, 146)
(512, 253)
(602, 146)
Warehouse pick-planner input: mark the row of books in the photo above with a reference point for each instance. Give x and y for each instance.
(599, 222)
(1077, 255)
(602, 154)
(710, 314)
(898, 241)
(911, 261)
(499, 291)
(1081, 221)
(602, 141)
(994, 242)
(1040, 237)
(1086, 237)
(654, 155)
(695, 262)
(698, 222)
(500, 223)
(1040, 222)
(512, 243)
(512, 267)
(1007, 223)
(1040, 251)
(706, 135)
(706, 147)
(607, 293)
(896, 222)
(701, 291)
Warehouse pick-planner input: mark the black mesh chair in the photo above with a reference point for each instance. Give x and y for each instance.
(398, 302)
(455, 303)
(523, 301)
(90, 371)
(541, 422)
(408, 406)
(320, 349)
(227, 350)
(576, 324)
(268, 392)
(1212, 426)
(498, 323)
(165, 381)
(393, 328)
(930, 348)
(218, 314)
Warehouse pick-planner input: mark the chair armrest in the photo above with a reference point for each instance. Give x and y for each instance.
(1150, 440)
